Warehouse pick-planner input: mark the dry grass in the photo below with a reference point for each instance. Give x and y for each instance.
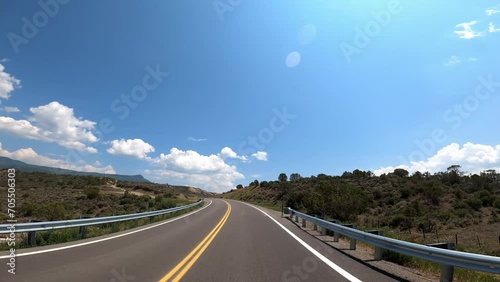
(67, 196)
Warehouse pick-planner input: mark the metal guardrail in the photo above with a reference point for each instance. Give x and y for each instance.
(442, 256)
(52, 225)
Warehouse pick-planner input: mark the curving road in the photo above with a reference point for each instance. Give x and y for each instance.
(224, 241)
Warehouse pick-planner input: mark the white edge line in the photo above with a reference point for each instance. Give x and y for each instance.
(332, 265)
(107, 238)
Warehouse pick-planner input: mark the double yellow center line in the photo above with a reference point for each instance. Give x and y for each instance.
(180, 270)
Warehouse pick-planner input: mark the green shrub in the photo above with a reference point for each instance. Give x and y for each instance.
(426, 225)
(494, 217)
(486, 198)
(27, 210)
(390, 201)
(125, 201)
(397, 221)
(405, 193)
(50, 211)
(377, 194)
(401, 172)
(166, 203)
(458, 205)
(401, 221)
(459, 193)
(474, 203)
(433, 191)
(462, 213)
(496, 203)
(91, 192)
(443, 216)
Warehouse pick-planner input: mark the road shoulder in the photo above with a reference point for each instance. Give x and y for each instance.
(363, 253)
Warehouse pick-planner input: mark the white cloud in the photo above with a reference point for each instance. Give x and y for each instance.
(131, 147)
(452, 61)
(467, 32)
(7, 83)
(21, 128)
(492, 28)
(191, 161)
(29, 156)
(191, 168)
(4, 60)
(455, 60)
(493, 10)
(11, 109)
(473, 158)
(197, 139)
(227, 152)
(261, 156)
(53, 122)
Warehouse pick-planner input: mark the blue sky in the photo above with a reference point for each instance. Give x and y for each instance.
(178, 91)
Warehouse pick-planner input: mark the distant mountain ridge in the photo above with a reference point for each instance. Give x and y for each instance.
(6, 163)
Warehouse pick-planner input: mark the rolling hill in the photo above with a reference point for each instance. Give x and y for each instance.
(6, 163)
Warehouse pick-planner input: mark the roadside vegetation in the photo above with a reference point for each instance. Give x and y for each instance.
(424, 208)
(47, 197)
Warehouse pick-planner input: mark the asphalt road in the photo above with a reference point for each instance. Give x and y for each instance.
(225, 241)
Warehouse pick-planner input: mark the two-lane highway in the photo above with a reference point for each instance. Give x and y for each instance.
(223, 241)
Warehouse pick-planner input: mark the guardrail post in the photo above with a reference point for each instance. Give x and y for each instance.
(446, 270)
(32, 235)
(315, 226)
(32, 239)
(83, 232)
(323, 229)
(114, 226)
(296, 218)
(331, 232)
(378, 250)
(83, 229)
(353, 241)
(304, 223)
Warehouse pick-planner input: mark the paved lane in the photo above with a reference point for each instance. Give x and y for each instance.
(226, 241)
(252, 247)
(145, 255)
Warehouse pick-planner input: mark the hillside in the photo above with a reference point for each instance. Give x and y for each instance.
(6, 163)
(422, 207)
(44, 196)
